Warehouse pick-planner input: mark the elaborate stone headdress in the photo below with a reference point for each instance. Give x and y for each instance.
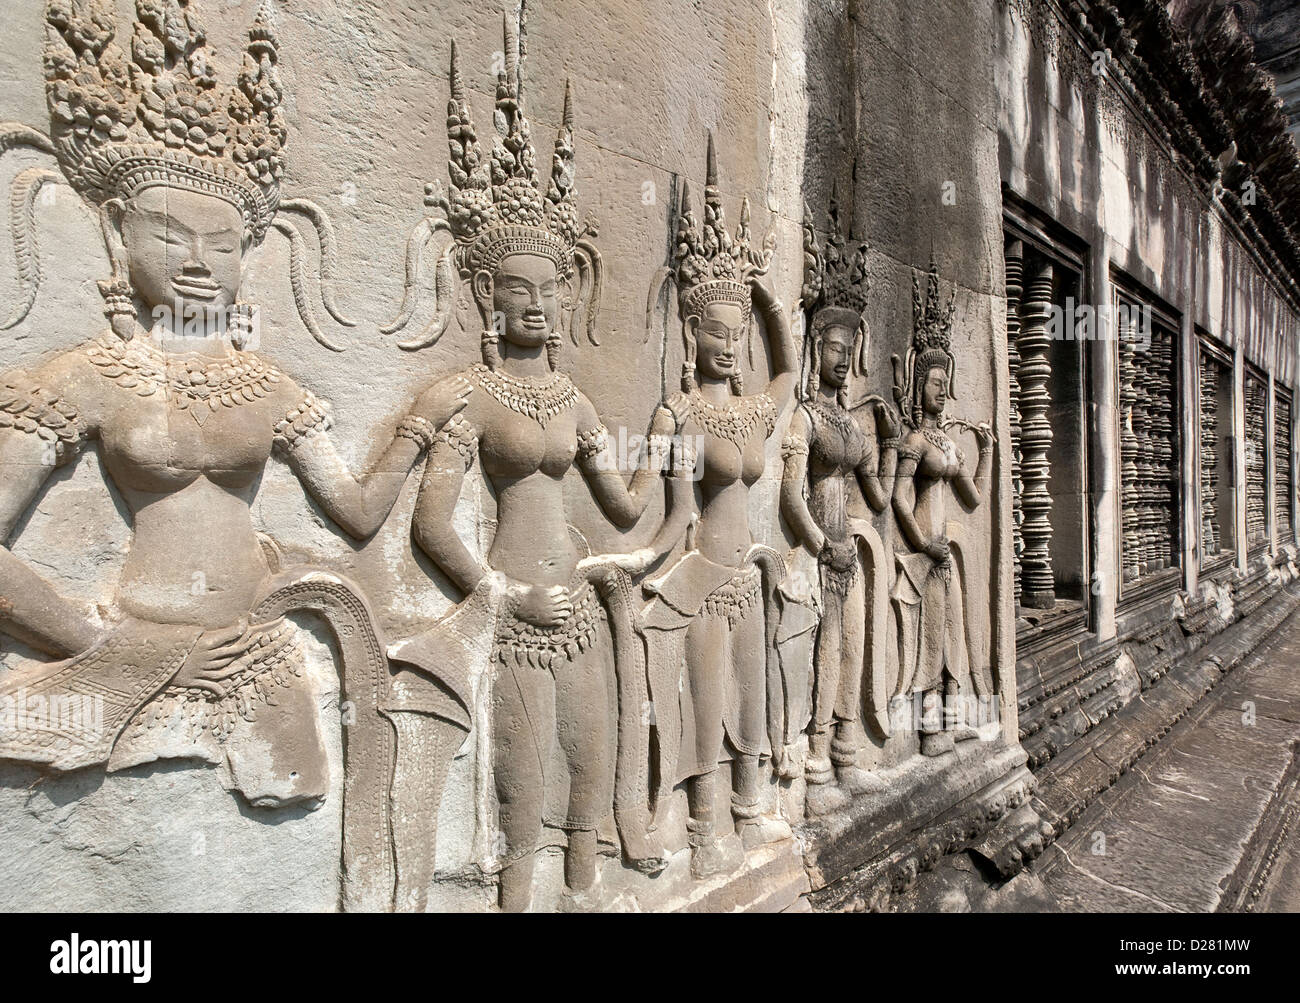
(498, 206)
(713, 265)
(156, 115)
(931, 345)
(835, 288)
(122, 123)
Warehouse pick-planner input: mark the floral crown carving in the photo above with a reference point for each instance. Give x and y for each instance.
(123, 122)
(835, 279)
(931, 344)
(497, 205)
(713, 265)
(931, 320)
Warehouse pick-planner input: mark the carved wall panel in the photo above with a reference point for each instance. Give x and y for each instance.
(443, 570)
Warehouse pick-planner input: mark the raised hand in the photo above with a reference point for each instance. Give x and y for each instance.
(887, 424)
(442, 400)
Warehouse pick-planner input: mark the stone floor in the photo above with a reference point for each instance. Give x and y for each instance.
(1205, 822)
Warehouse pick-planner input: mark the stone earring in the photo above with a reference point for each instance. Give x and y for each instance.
(243, 325)
(119, 306)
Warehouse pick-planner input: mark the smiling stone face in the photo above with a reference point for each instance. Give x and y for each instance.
(720, 332)
(526, 299)
(184, 249)
(836, 351)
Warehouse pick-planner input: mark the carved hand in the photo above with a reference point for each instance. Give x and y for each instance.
(984, 436)
(679, 405)
(764, 299)
(208, 663)
(887, 424)
(839, 555)
(542, 605)
(444, 399)
(938, 551)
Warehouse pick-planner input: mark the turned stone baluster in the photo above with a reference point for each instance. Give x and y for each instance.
(1015, 263)
(1256, 510)
(1131, 551)
(1038, 589)
(1162, 469)
(1282, 466)
(1209, 460)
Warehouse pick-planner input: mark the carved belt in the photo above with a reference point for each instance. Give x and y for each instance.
(735, 599)
(274, 658)
(521, 643)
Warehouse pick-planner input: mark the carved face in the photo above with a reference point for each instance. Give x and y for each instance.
(718, 334)
(525, 299)
(934, 391)
(836, 351)
(184, 250)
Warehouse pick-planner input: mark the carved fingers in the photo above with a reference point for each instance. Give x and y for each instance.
(938, 551)
(543, 606)
(887, 424)
(446, 398)
(214, 656)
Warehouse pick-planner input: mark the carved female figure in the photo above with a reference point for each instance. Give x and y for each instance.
(824, 451)
(724, 585)
(185, 176)
(556, 724)
(929, 593)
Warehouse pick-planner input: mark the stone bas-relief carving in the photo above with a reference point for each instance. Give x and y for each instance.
(655, 723)
(566, 679)
(942, 643)
(712, 622)
(195, 660)
(825, 452)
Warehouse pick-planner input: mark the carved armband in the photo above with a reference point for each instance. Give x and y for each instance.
(767, 412)
(906, 452)
(459, 435)
(592, 443)
(419, 430)
(894, 442)
(311, 415)
(28, 407)
(793, 445)
(684, 460)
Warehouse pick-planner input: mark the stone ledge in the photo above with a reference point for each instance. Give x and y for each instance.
(1069, 784)
(859, 859)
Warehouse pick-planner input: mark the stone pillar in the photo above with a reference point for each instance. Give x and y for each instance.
(1038, 590)
(1015, 250)
(1105, 421)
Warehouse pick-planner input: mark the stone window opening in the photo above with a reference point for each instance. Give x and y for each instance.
(1256, 455)
(1216, 482)
(1149, 394)
(1283, 466)
(1049, 334)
